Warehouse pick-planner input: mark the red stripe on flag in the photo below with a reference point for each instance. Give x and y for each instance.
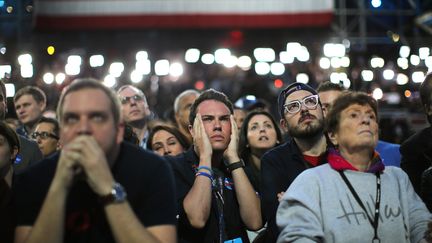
(185, 21)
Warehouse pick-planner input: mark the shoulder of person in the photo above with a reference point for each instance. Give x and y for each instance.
(412, 143)
(140, 156)
(278, 151)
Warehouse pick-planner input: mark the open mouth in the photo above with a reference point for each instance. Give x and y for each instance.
(263, 138)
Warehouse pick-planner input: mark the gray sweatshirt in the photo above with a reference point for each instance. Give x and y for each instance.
(319, 207)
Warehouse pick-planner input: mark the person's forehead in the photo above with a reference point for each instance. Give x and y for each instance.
(213, 107)
(297, 95)
(45, 126)
(329, 95)
(163, 134)
(239, 111)
(259, 118)
(129, 91)
(26, 98)
(87, 100)
(361, 107)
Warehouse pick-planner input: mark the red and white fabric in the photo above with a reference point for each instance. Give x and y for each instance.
(107, 14)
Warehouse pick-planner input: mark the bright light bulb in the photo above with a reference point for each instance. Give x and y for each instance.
(176, 69)
(277, 68)
(192, 55)
(302, 78)
(48, 78)
(208, 58)
(377, 94)
(367, 75)
(262, 68)
(162, 67)
(96, 61)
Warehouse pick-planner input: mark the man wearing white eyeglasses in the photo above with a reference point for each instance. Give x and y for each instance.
(302, 118)
(135, 111)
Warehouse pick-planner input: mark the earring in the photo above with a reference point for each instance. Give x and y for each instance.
(247, 145)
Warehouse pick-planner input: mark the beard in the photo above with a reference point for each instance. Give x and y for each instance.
(310, 130)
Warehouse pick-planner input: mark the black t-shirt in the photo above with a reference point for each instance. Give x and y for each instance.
(146, 177)
(184, 167)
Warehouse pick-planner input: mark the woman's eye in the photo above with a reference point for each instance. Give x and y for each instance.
(157, 148)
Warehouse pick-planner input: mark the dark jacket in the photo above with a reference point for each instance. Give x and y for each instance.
(426, 188)
(29, 155)
(279, 167)
(416, 154)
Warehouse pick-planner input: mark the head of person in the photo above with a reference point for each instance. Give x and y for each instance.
(426, 96)
(167, 140)
(30, 102)
(182, 105)
(259, 133)
(46, 134)
(9, 148)
(239, 116)
(328, 93)
(352, 123)
(215, 110)
(3, 105)
(134, 104)
(300, 111)
(88, 108)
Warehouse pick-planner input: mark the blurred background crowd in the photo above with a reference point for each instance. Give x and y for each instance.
(249, 50)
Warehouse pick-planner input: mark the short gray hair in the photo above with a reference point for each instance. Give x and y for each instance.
(134, 88)
(181, 95)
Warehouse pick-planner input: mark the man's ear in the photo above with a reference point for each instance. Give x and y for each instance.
(177, 119)
(14, 153)
(283, 124)
(42, 105)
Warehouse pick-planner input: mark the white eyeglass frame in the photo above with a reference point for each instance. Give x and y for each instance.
(300, 102)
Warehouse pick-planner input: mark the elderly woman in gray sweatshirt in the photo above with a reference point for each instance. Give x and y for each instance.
(352, 198)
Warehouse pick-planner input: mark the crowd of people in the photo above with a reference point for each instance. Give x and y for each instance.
(103, 169)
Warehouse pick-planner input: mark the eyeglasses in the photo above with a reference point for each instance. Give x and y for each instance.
(125, 100)
(43, 135)
(294, 106)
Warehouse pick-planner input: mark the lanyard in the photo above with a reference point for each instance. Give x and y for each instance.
(374, 222)
(218, 192)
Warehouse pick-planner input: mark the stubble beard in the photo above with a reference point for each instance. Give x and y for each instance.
(309, 131)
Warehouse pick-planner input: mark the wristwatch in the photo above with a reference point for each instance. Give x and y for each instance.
(236, 165)
(117, 195)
